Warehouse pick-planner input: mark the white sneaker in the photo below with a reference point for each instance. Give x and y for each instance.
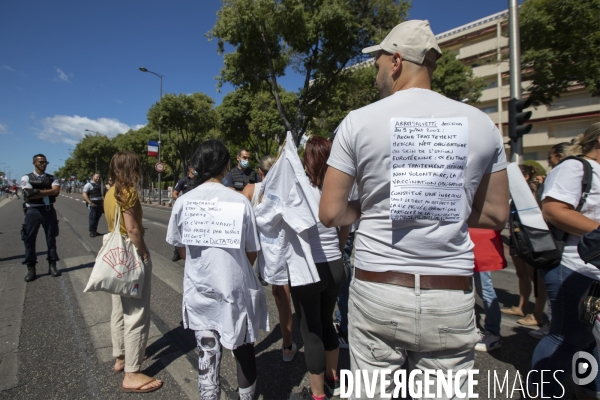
(540, 333)
(488, 342)
(289, 357)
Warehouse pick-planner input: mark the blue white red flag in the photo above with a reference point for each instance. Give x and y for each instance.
(152, 148)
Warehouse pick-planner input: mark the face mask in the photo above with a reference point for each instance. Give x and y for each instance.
(244, 163)
(195, 173)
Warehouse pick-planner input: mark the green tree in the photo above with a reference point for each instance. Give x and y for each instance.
(250, 119)
(560, 44)
(455, 80)
(355, 89)
(137, 141)
(317, 39)
(186, 121)
(93, 154)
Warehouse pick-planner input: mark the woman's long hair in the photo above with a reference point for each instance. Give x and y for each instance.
(586, 142)
(316, 153)
(209, 160)
(125, 172)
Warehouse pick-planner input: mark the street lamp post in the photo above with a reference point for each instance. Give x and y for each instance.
(159, 143)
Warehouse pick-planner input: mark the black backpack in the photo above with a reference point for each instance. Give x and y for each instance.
(540, 248)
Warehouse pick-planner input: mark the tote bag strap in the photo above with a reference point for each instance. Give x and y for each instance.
(117, 226)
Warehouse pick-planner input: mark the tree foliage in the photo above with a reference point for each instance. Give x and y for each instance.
(455, 80)
(91, 152)
(137, 141)
(560, 44)
(186, 121)
(250, 119)
(317, 38)
(355, 89)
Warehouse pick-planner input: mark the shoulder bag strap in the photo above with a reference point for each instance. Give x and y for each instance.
(117, 225)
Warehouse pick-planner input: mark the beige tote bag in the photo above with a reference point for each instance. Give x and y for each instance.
(119, 268)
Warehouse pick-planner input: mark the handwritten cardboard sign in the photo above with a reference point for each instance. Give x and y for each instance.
(428, 157)
(213, 223)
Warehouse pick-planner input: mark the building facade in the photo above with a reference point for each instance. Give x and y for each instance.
(483, 45)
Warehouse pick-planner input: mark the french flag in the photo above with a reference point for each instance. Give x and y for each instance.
(152, 148)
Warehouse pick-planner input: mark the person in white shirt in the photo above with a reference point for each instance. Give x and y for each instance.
(426, 168)
(314, 303)
(40, 191)
(223, 301)
(281, 293)
(566, 283)
(92, 194)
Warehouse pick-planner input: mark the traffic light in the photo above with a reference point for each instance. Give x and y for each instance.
(516, 118)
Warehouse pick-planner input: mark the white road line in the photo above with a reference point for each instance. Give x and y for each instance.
(66, 220)
(96, 309)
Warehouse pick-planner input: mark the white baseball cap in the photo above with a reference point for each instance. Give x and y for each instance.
(412, 39)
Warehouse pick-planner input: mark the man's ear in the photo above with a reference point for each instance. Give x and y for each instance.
(397, 63)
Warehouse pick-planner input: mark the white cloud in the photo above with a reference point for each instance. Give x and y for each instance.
(4, 129)
(7, 68)
(67, 129)
(118, 101)
(62, 76)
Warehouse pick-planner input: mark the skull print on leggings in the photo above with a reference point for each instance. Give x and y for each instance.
(209, 364)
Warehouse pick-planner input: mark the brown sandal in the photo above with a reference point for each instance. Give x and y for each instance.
(140, 390)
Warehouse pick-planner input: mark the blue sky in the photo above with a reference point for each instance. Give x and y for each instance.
(67, 66)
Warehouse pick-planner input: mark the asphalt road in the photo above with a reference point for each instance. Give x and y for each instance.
(55, 339)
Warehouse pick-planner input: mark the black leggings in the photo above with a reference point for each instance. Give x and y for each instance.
(314, 305)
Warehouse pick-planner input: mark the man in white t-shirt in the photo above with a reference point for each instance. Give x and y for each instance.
(426, 168)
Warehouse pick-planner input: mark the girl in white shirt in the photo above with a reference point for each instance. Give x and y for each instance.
(566, 283)
(223, 301)
(314, 303)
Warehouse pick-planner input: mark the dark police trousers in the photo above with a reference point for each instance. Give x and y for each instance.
(95, 214)
(36, 216)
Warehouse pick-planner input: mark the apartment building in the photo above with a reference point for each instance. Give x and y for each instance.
(483, 45)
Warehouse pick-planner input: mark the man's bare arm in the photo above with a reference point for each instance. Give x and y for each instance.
(334, 209)
(490, 205)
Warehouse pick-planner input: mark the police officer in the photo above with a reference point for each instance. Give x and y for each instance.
(241, 175)
(92, 194)
(39, 193)
(183, 186)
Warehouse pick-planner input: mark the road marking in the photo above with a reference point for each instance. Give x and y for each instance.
(12, 297)
(66, 220)
(96, 308)
(2, 204)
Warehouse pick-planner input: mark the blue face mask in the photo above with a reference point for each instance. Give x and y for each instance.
(195, 173)
(244, 163)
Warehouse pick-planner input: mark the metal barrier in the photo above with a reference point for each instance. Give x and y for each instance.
(150, 196)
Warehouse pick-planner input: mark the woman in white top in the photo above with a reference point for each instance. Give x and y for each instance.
(281, 293)
(223, 301)
(314, 303)
(566, 283)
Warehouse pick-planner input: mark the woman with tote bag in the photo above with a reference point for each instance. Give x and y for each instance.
(130, 318)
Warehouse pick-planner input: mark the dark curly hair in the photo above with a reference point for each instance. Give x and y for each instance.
(209, 160)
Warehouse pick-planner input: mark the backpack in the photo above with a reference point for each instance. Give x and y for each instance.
(542, 249)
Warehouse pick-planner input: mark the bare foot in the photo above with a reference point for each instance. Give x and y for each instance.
(119, 364)
(137, 380)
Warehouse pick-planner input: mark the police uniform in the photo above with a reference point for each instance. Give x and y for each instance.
(39, 212)
(94, 192)
(238, 179)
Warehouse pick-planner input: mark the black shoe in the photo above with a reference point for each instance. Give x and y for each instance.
(52, 270)
(92, 234)
(30, 273)
(98, 234)
(176, 257)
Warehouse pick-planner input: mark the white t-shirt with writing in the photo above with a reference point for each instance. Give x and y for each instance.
(564, 184)
(362, 149)
(324, 242)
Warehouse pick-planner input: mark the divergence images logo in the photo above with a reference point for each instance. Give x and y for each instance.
(584, 368)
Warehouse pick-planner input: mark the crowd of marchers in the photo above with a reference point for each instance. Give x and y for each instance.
(405, 299)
